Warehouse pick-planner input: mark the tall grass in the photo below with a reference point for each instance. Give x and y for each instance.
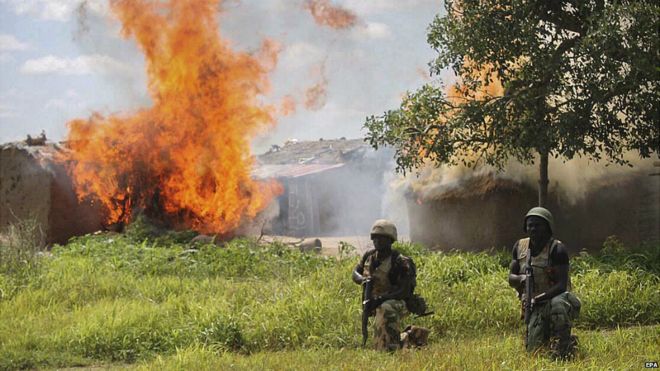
(158, 300)
(617, 349)
(21, 246)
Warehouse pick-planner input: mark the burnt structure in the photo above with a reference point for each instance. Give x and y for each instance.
(34, 185)
(486, 211)
(331, 187)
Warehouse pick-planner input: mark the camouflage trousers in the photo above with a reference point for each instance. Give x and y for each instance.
(387, 325)
(553, 320)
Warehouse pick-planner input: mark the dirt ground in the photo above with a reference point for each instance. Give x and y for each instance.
(330, 245)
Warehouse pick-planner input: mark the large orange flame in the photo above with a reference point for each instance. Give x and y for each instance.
(187, 158)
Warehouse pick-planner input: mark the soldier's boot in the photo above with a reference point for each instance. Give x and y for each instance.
(562, 344)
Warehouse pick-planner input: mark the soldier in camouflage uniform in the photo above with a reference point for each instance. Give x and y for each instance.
(392, 283)
(554, 306)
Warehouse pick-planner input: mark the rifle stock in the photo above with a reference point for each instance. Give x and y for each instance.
(367, 288)
(529, 290)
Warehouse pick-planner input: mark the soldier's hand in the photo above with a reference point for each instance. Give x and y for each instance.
(539, 298)
(358, 278)
(378, 300)
(521, 283)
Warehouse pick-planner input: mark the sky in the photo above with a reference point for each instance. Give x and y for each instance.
(65, 59)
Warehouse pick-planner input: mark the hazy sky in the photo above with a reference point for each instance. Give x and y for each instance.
(61, 60)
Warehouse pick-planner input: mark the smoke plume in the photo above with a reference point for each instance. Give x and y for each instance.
(316, 95)
(326, 14)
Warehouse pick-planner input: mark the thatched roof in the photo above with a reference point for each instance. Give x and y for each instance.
(334, 151)
(476, 186)
(44, 154)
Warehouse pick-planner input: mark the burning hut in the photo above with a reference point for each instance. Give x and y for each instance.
(331, 187)
(472, 214)
(33, 185)
(484, 211)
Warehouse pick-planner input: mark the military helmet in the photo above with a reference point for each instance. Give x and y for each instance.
(542, 213)
(385, 228)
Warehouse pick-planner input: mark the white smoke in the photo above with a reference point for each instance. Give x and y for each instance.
(573, 179)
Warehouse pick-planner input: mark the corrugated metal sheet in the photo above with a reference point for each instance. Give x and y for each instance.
(291, 170)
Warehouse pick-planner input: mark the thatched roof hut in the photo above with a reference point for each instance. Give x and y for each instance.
(484, 211)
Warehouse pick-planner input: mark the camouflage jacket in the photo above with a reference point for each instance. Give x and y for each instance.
(401, 276)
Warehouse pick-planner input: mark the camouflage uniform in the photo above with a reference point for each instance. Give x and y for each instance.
(387, 324)
(554, 317)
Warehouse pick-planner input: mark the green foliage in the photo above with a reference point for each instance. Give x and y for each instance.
(576, 79)
(125, 331)
(106, 298)
(410, 249)
(615, 256)
(22, 248)
(237, 258)
(599, 350)
(145, 229)
(346, 250)
(223, 335)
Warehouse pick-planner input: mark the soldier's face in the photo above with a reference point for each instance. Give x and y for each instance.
(381, 242)
(537, 228)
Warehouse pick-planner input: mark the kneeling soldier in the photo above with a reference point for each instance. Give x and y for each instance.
(539, 269)
(391, 277)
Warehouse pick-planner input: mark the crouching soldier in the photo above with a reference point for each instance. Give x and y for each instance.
(390, 277)
(540, 269)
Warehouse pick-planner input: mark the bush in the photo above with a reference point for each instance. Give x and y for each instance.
(145, 229)
(223, 334)
(615, 256)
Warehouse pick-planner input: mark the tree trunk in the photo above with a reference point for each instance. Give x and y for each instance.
(543, 179)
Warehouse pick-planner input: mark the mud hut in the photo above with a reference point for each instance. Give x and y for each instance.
(331, 187)
(485, 211)
(474, 213)
(33, 185)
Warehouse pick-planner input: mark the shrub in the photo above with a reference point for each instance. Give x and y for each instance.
(222, 334)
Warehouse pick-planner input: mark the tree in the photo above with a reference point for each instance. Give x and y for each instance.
(535, 79)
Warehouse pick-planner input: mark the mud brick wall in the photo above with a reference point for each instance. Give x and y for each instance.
(33, 185)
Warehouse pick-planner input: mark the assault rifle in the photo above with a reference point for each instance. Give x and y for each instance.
(368, 305)
(529, 290)
(367, 287)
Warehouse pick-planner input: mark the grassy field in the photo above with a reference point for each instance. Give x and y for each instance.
(139, 301)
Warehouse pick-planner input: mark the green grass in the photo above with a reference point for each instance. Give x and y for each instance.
(617, 349)
(139, 301)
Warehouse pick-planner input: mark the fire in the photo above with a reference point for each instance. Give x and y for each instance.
(187, 158)
(459, 93)
(326, 14)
